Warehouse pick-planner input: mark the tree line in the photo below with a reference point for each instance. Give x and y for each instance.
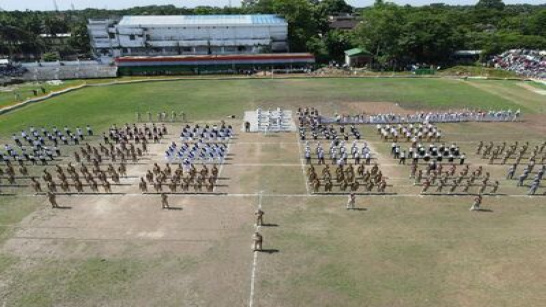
(393, 35)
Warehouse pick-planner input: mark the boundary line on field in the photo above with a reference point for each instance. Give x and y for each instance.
(302, 165)
(255, 260)
(334, 194)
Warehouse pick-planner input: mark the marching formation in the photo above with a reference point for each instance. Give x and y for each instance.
(527, 175)
(452, 181)
(515, 151)
(201, 144)
(431, 153)
(410, 133)
(425, 117)
(180, 179)
(172, 117)
(347, 178)
(338, 153)
(41, 145)
(330, 133)
(93, 178)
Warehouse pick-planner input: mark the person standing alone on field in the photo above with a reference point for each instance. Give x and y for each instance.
(52, 200)
(258, 241)
(164, 201)
(351, 201)
(259, 217)
(476, 204)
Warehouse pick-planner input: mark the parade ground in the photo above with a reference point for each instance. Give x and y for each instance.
(398, 248)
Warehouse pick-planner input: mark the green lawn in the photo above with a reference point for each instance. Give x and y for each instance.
(538, 85)
(7, 95)
(102, 106)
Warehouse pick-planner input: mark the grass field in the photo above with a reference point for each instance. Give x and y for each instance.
(102, 106)
(8, 97)
(396, 250)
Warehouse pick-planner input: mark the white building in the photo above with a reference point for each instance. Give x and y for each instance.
(185, 35)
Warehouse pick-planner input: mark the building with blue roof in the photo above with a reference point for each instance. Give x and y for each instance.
(189, 35)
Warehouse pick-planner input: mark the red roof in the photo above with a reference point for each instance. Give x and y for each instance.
(193, 58)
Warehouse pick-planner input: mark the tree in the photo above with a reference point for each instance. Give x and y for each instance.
(427, 38)
(330, 7)
(79, 39)
(337, 42)
(380, 31)
(536, 24)
(490, 5)
(299, 15)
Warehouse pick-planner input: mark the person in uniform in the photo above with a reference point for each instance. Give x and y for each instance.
(36, 185)
(258, 241)
(259, 217)
(106, 186)
(454, 186)
(534, 187)
(511, 171)
(351, 201)
(426, 185)
(482, 187)
(52, 200)
(164, 201)
(328, 185)
(476, 204)
(441, 185)
(495, 187)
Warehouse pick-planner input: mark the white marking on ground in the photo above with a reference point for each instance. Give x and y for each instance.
(255, 261)
(300, 146)
(337, 194)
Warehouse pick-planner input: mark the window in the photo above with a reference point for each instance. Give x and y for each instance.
(112, 35)
(132, 37)
(241, 48)
(148, 37)
(186, 49)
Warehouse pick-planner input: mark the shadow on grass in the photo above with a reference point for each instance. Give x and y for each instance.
(174, 208)
(269, 251)
(358, 209)
(63, 207)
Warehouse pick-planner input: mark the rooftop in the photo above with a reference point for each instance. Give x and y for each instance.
(356, 52)
(202, 20)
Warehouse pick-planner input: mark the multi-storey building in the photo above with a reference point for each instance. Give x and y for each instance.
(188, 35)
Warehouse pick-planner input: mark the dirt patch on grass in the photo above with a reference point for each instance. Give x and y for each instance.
(117, 226)
(532, 88)
(536, 122)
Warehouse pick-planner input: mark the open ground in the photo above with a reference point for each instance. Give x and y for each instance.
(400, 249)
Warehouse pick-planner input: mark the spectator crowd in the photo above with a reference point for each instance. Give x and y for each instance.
(525, 62)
